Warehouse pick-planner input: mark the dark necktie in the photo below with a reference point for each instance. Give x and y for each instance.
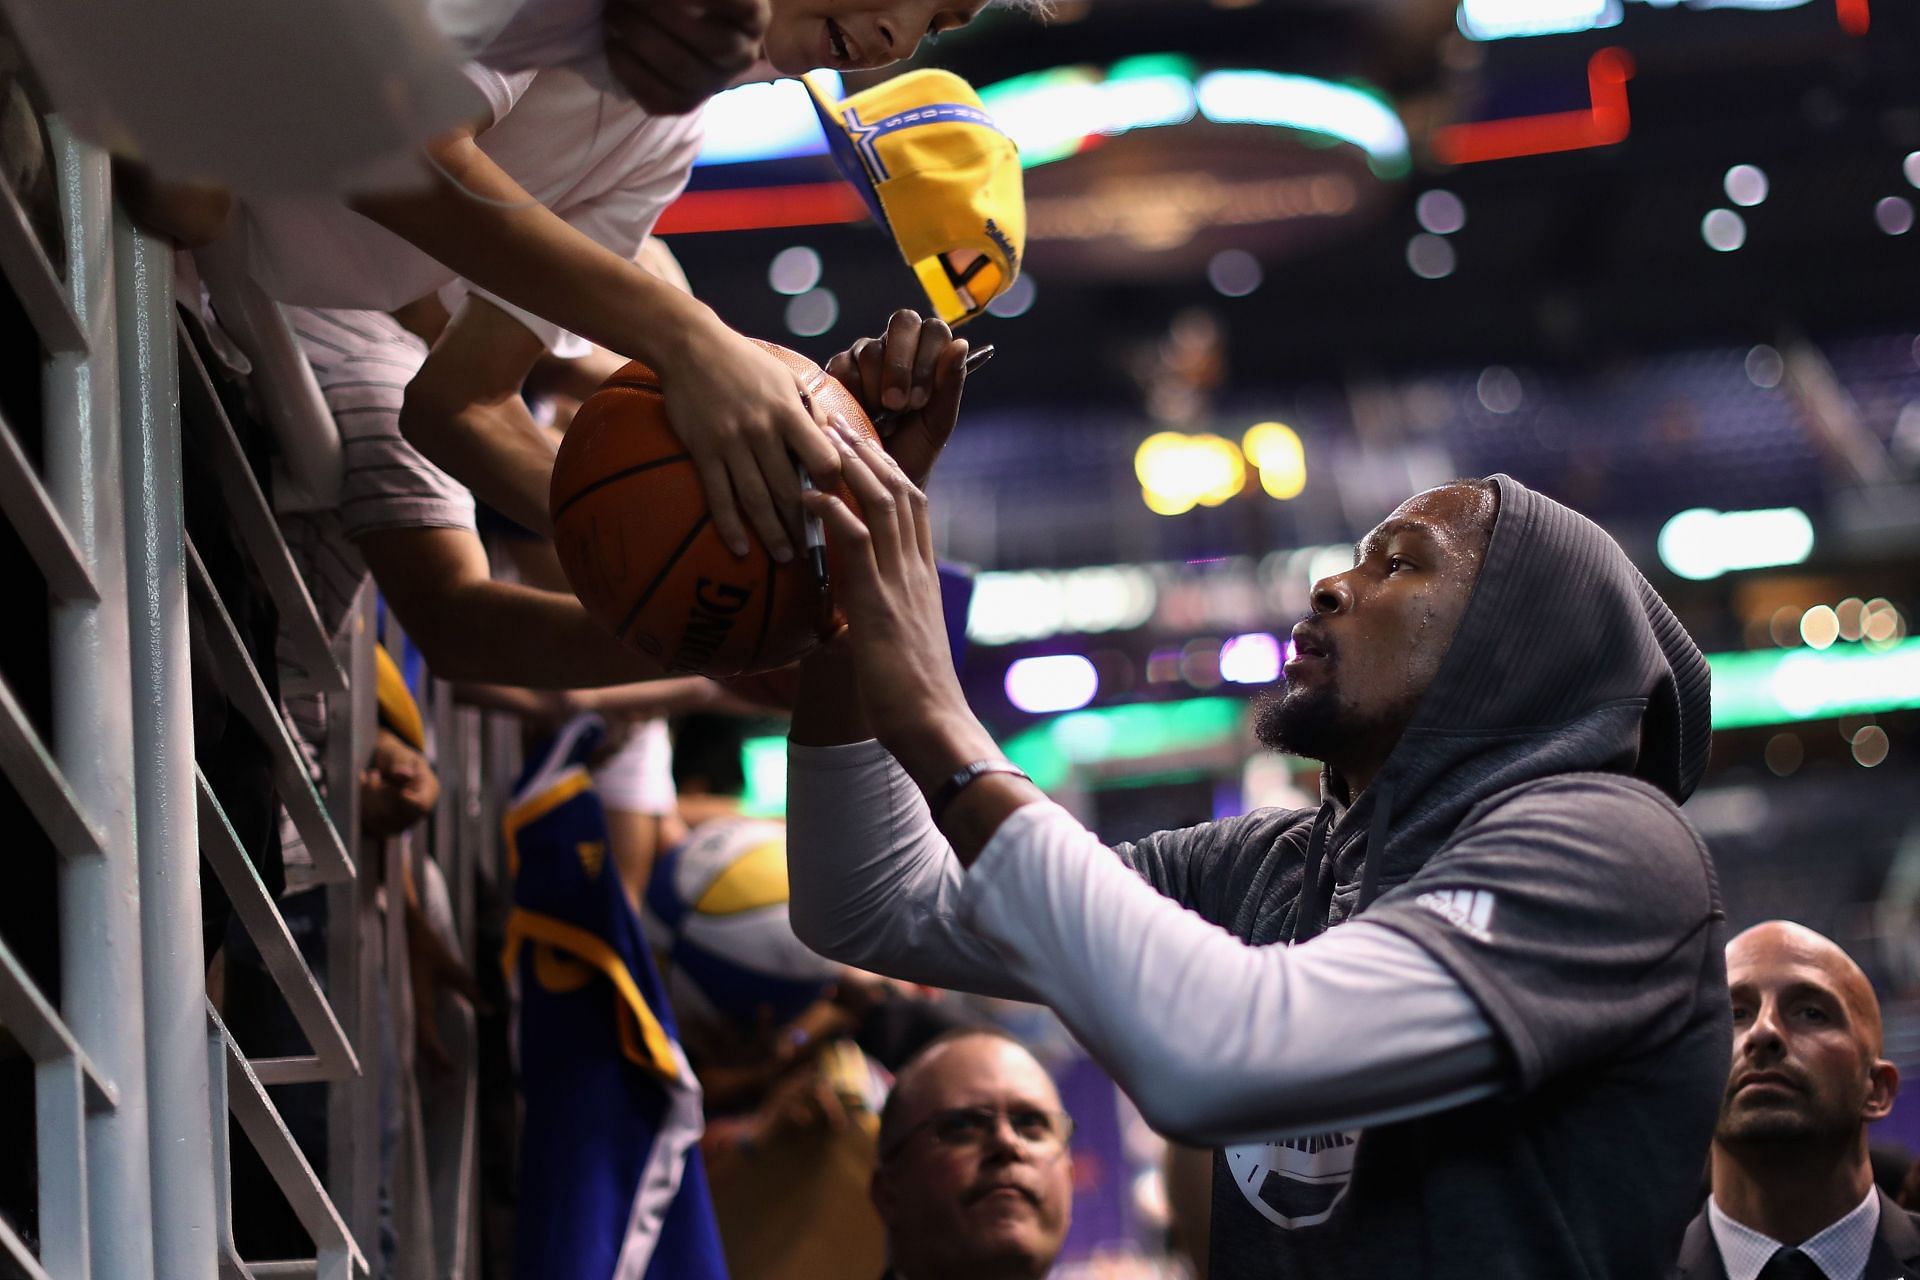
(1791, 1264)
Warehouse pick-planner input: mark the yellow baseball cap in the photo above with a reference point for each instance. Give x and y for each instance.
(940, 176)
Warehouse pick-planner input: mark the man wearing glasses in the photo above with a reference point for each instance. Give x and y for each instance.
(974, 1178)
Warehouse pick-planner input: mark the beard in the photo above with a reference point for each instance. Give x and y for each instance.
(1301, 721)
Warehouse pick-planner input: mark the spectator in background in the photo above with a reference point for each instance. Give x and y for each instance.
(974, 1180)
(1793, 1191)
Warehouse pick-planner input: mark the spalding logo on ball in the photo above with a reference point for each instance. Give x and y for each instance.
(631, 525)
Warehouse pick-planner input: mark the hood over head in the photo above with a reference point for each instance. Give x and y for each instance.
(1566, 661)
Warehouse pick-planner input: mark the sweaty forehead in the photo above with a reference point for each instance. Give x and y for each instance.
(1454, 516)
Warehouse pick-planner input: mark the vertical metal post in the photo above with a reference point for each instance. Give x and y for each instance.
(165, 798)
(354, 944)
(93, 731)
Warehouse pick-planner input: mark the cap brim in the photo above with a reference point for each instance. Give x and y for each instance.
(846, 158)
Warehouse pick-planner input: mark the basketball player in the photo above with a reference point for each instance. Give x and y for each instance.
(1495, 1044)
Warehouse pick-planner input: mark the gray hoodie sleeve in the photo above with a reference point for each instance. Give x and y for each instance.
(1579, 913)
(1215, 1040)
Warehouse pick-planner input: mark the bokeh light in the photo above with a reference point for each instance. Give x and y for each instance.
(1430, 257)
(813, 313)
(1253, 658)
(1871, 745)
(1820, 626)
(1058, 682)
(1178, 472)
(1234, 272)
(1440, 212)
(1765, 367)
(1723, 230)
(1275, 450)
(1499, 389)
(1017, 300)
(1746, 185)
(794, 270)
(1784, 754)
(1894, 215)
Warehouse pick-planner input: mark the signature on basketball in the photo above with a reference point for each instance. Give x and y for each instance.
(715, 606)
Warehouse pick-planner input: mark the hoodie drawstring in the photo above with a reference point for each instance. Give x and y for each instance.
(1376, 843)
(1310, 879)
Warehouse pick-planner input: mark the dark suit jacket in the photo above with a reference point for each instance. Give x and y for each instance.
(1895, 1256)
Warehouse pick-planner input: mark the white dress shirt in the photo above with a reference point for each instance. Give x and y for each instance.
(1840, 1250)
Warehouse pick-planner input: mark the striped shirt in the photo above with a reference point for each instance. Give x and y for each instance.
(363, 361)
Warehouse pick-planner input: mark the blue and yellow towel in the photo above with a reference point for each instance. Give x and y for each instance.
(611, 1185)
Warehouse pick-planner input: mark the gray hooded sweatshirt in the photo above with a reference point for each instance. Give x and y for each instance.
(1523, 836)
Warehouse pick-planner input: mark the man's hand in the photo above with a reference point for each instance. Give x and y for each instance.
(888, 583)
(915, 371)
(672, 55)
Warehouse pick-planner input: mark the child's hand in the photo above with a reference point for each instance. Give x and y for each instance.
(672, 55)
(915, 371)
(739, 410)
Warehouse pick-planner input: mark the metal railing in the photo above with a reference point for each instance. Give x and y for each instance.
(136, 1075)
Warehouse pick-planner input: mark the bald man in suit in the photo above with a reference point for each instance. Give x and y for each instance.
(1793, 1193)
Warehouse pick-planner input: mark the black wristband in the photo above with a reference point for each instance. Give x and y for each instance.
(950, 789)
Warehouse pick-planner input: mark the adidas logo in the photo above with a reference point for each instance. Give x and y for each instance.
(1468, 910)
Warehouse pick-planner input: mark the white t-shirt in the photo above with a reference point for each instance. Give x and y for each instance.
(586, 152)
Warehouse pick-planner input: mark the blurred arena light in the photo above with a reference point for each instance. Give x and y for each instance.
(1178, 472)
(1803, 684)
(1723, 230)
(1234, 272)
(1139, 731)
(1606, 120)
(1430, 257)
(1017, 300)
(1341, 111)
(1513, 19)
(1911, 168)
(1894, 215)
(1701, 543)
(764, 761)
(1008, 608)
(1784, 753)
(1440, 211)
(1057, 682)
(1764, 366)
(794, 270)
(1200, 663)
(1870, 745)
(773, 120)
(1275, 450)
(813, 313)
(1745, 184)
(1820, 626)
(1253, 658)
(1499, 390)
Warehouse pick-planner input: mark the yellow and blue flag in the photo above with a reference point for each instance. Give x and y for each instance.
(611, 1184)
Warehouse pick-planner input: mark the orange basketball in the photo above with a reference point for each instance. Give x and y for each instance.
(631, 525)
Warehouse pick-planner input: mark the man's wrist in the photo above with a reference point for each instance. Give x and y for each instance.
(932, 751)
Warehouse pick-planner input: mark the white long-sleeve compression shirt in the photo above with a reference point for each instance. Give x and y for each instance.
(1216, 1041)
